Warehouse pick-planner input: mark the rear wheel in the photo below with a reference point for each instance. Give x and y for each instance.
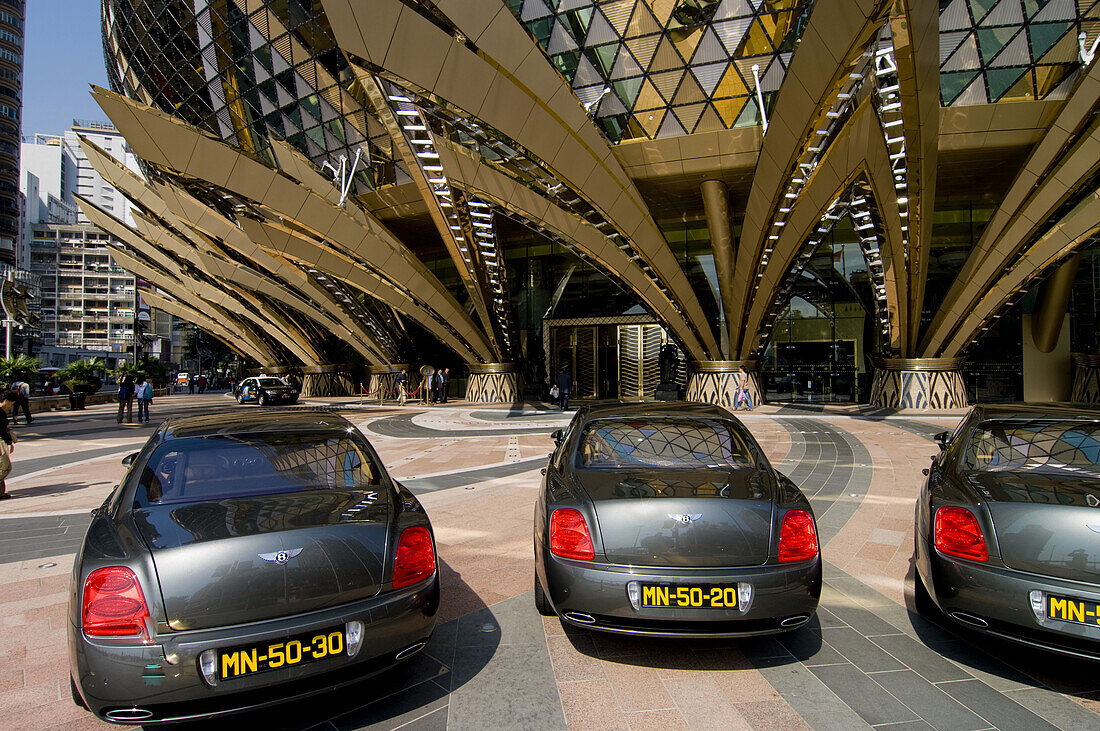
(240, 398)
(541, 602)
(262, 400)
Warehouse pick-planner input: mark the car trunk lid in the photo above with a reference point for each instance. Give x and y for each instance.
(240, 560)
(683, 518)
(1045, 523)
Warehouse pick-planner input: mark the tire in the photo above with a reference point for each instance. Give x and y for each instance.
(262, 400)
(76, 694)
(240, 398)
(542, 604)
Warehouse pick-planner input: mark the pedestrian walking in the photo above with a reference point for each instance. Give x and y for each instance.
(437, 387)
(446, 383)
(202, 384)
(401, 382)
(565, 385)
(7, 442)
(143, 391)
(22, 391)
(126, 398)
(741, 393)
(191, 385)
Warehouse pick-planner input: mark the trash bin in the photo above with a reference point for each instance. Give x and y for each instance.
(76, 401)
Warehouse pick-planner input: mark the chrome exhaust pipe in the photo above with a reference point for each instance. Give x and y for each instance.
(410, 650)
(970, 619)
(794, 621)
(129, 715)
(580, 617)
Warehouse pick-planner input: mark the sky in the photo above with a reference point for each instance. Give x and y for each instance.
(62, 55)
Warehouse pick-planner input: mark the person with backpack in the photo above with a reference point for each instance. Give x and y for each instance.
(22, 390)
(143, 391)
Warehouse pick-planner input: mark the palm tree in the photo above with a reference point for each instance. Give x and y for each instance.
(82, 376)
(18, 368)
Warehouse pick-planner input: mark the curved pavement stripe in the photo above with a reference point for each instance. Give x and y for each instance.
(402, 427)
(419, 485)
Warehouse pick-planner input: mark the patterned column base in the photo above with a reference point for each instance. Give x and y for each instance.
(716, 382)
(383, 381)
(1086, 379)
(919, 383)
(327, 380)
(494, 383)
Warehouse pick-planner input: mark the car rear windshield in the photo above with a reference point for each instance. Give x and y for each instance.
(217, 467)
(671, 443)
(1071, 447)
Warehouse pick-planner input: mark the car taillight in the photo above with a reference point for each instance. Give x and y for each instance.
(569, 536)
(797, 537)
(113, 604)
(414, 559)
(958, 534)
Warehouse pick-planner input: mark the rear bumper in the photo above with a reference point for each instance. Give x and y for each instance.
(999, 597)
(780, 592)
(164, 679)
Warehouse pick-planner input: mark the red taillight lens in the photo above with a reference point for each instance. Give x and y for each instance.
(958, 534)
(569, 536)
(415, 557)
(797, 537)
(113, 604)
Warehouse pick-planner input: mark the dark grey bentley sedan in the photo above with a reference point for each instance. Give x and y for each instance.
(245, 560)
(667, 519)
(1008, 527)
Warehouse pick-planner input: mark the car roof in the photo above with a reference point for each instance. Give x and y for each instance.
(1059, 411)
(655, 408)
(254, 422)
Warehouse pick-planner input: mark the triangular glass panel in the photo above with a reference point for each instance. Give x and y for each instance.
(586, 74)
(689, 115)
(773, 79)
(625, 65)
(610, 106)
(1015, 53)
(627, 90)
(709, 121)
(266, 105)
(757, 42)
(732, 9)
(667, 83)
(566, 63)
(1022, 90)
(1065, 50)
(671, 127)
(952, 84)
(729, 109)
(1000, 80)
(949, 42)
(533, 10)
(565, 5)
(954, 17)
(643, 48)
(1033, 6)
(649, 97)
(650, 121)
(255, 37)
(1007, 12)
(709, 75)
(278, 63)
(603, 57)
(666, 57)
(1047, 78)
(600, 31)
(750, 115)
(980, 7)
(261, 74)
(1058, 10)
(589, 94)
(992, 40)
(642, 23)
(731, 32)
(710, 49)
(560, 40)
(1044, 36)
(965, 58)
(662, 10)
(285, 98)
(731, 85)
(618, 14)
(688, 93)
(974, 94)
(686, 42)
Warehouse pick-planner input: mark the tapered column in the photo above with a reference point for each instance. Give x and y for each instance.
(494, 383)
(718, 381)
(1050, 310)
(919, 383)
(717, 207)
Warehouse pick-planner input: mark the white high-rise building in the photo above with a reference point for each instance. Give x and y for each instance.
(87, 301)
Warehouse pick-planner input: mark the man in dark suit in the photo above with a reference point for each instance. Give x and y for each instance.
(446, 383)
(565, 385)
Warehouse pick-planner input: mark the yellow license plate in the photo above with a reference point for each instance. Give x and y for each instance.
(292, 652)
(1073, 610)
(690, 596)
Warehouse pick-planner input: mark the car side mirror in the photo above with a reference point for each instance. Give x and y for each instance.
(944, 439)
(129, 459)
(558, 436)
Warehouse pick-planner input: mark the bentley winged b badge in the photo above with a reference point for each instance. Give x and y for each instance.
(685, 518)
(280, 557)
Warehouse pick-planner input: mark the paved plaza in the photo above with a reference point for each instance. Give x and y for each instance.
(867, 659)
